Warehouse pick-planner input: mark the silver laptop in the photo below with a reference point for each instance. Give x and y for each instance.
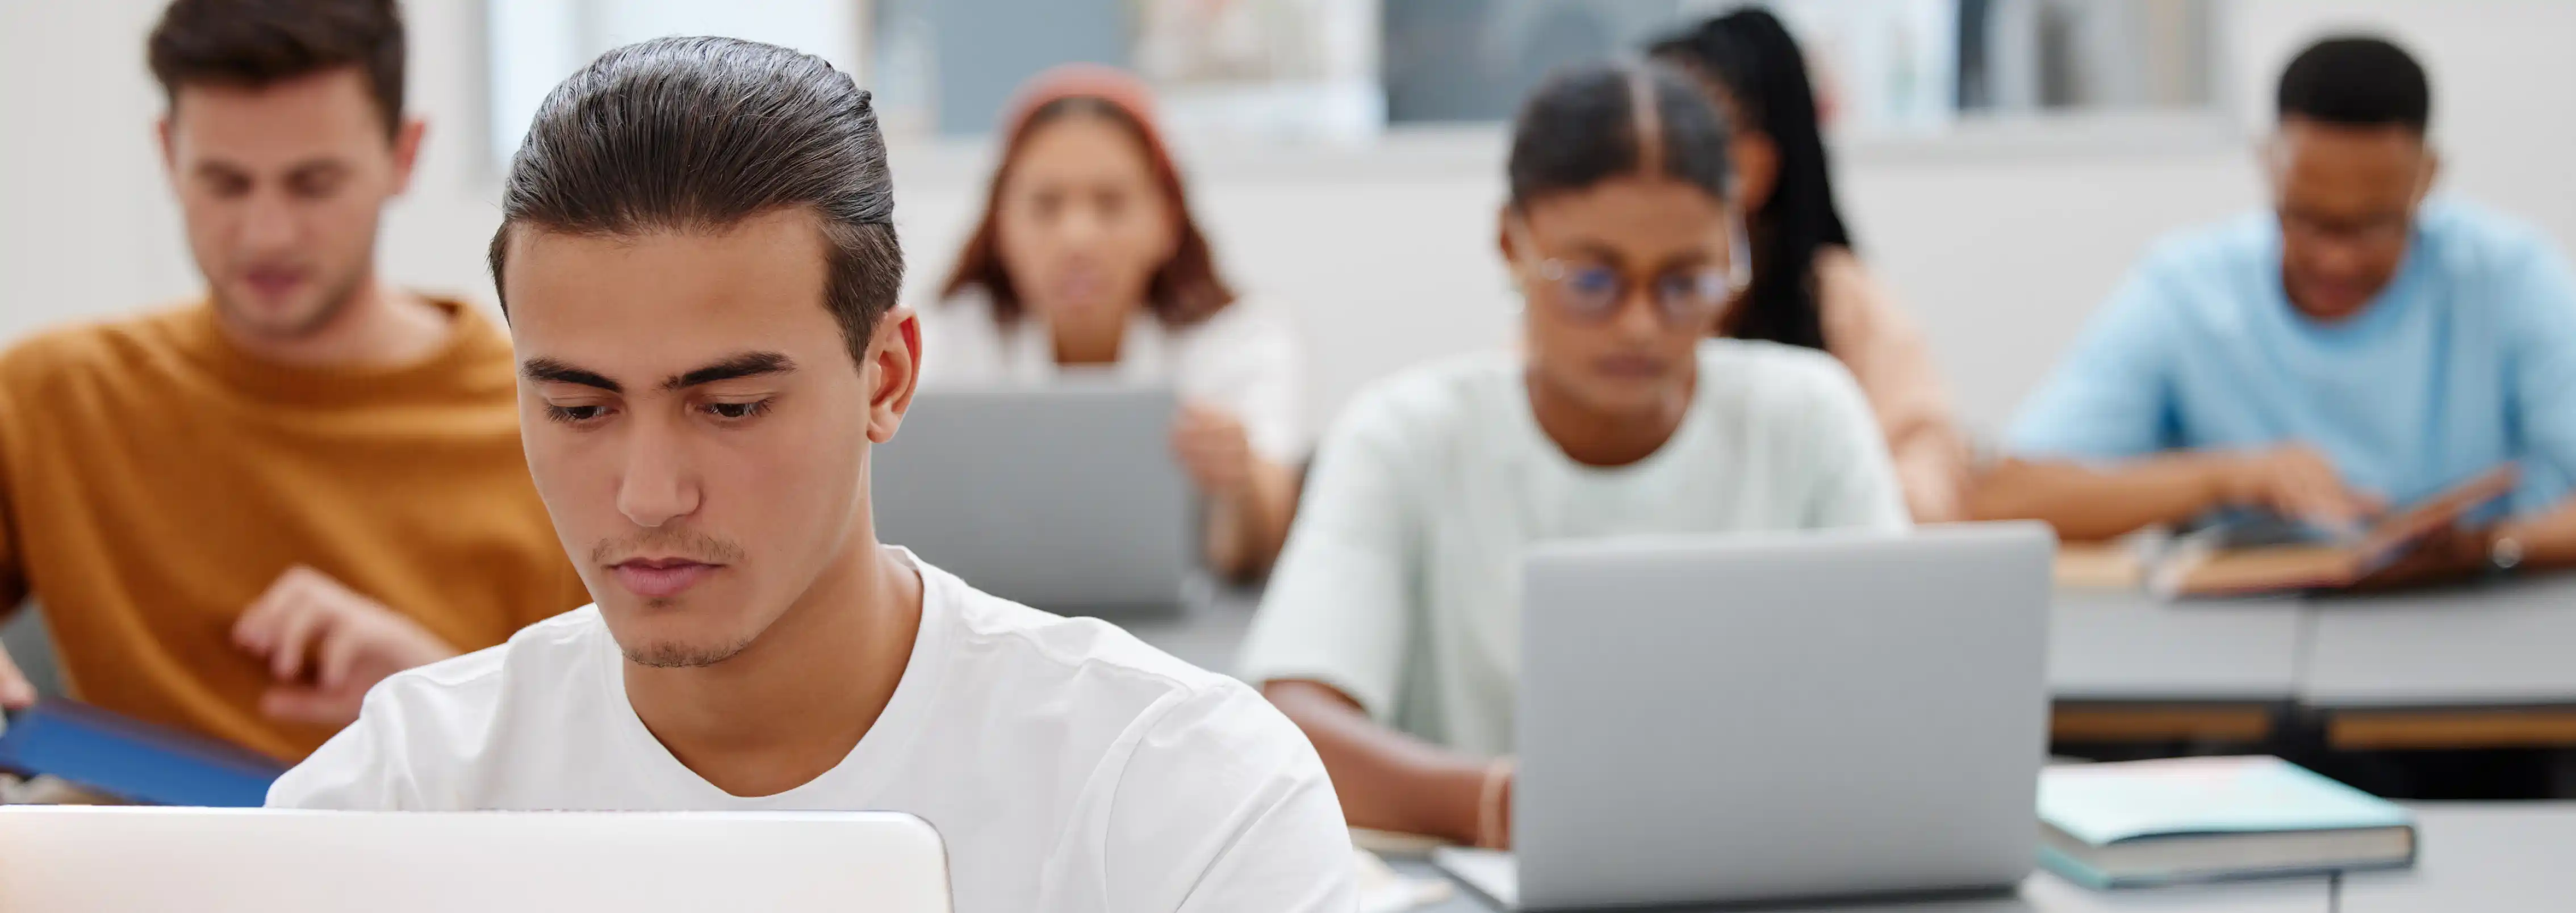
(1731, 719)
(64, 859)
(1065, 497)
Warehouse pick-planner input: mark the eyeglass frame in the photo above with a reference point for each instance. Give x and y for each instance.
(1557, 271)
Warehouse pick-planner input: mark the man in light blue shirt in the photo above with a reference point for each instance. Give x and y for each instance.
(2359, 346)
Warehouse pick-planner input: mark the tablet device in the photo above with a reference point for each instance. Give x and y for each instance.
(131, 759)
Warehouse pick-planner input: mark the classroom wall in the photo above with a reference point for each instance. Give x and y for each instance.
(2001, 243)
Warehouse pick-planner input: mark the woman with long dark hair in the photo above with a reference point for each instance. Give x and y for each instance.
(1086, 259)
(1809, 288)
(1390, 631)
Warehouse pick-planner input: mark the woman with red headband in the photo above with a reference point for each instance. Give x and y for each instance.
(1087, 259)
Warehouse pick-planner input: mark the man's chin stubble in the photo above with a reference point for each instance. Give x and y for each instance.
(335, 303)
(683, 656)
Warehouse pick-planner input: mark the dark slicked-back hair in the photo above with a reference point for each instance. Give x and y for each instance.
(2357, 81)
(699, 134)
(256, 43)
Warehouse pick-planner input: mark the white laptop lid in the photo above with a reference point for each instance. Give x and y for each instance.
(1707, 719)
(150, 860)
(1063, 497)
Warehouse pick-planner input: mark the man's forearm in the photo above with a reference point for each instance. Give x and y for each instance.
(2086, 503)
(2548, 540)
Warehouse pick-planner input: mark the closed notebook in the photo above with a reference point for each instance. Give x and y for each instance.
(2209, 819)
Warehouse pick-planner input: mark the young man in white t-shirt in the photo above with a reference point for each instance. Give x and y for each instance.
(700, 267)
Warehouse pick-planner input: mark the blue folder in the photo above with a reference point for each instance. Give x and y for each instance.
(131, 759)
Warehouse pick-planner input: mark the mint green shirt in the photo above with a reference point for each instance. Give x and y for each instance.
(1400, 584)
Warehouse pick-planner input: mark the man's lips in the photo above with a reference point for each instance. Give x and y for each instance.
(273, 282)
(661, 578)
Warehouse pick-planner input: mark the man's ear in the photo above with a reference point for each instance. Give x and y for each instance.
(893, 371)
(1504, 243)
(407, 151)
(2432, 172)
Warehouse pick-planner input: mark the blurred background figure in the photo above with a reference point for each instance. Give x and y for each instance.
(2359, 346)
(1391, 630)
(243, 511)
(1086, 259)
(1809, 287)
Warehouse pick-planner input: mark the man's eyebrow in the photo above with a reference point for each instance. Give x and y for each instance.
(319, 167)
(552, 371)
(748, 364)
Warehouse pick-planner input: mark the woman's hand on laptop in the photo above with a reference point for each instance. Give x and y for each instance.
(1213, 448)
(326, 645)
(1249, 499)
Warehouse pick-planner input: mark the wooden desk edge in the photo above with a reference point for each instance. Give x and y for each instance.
(2385, 728)
(2080, 721)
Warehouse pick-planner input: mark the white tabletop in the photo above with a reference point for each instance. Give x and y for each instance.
(2479, 857)
(2042, 893)
(2501, 645)
(2109, 645)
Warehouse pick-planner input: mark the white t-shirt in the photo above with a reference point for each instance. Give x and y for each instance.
(1243, 359)
(1401, 581)
(1068, 766)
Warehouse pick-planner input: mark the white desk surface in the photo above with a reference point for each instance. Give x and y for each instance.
(2511, 644)
(2479, 857)
(2112, 645)
(2042, 893)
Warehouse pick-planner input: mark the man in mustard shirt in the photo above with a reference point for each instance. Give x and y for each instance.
(242, 512)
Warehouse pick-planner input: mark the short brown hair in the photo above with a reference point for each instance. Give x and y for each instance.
(1184, 289)
(703, 133)
(256, 43)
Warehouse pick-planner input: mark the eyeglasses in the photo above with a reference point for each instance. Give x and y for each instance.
(1594, 292)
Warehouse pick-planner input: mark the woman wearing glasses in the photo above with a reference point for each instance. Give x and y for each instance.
(1389, 632)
